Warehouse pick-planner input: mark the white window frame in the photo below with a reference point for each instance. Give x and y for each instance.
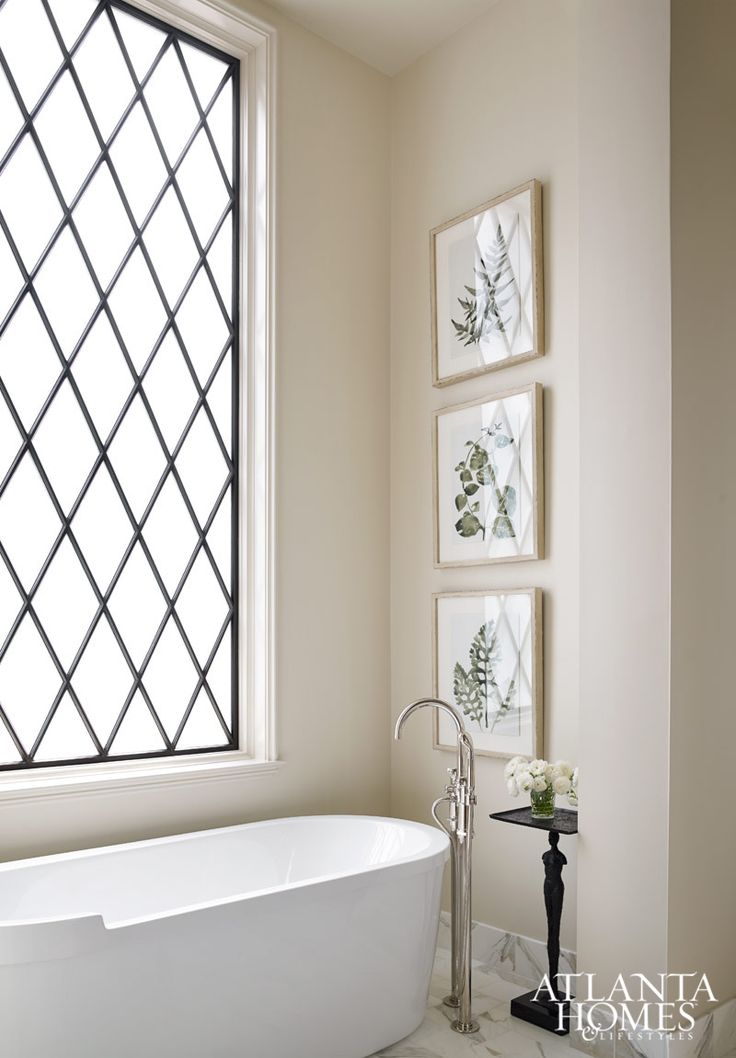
(254, 43)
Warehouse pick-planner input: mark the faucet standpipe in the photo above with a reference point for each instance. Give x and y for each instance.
(460, 798)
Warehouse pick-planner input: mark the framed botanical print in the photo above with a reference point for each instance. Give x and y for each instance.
(488, 663)
(487, 288)
(488, 475)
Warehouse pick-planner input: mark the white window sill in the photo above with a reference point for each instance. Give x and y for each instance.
(80, 779)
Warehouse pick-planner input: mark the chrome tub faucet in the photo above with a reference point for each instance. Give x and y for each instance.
(460, 798)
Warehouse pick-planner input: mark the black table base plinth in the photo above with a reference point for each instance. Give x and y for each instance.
(543, 1014)
(547, 1013)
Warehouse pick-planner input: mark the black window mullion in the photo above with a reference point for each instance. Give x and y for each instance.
(67, 54)
(170, 613)
(170, 171)
(202, 683)
(200, 111)
(113, 476)
(106, 8)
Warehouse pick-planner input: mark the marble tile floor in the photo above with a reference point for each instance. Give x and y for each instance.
(499, 1033)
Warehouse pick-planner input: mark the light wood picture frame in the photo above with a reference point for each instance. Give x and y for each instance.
(488, 477)
(487, 658)
(487, 286)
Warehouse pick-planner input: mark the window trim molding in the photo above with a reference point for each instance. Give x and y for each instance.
(254, 43)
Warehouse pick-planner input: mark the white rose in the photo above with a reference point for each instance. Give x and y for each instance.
(539, 785)
(550, 773)
(512, 767)
(564, 768)
(562, 785)
(538, 767)
(513, 787)
(525, 782)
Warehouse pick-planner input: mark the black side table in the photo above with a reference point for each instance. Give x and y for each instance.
(552, 1014)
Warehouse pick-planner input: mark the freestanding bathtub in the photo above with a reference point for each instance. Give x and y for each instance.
(294, 938)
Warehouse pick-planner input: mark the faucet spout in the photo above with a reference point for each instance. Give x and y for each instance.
(437, 703)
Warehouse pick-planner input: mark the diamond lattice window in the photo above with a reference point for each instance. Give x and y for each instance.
(118, 386)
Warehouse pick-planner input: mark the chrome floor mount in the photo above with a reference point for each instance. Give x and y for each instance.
(460, 798)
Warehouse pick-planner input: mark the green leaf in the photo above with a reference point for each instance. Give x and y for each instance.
(460, 500)
(468, 525)
(504, 500)
(471, 489)
(502, 527)
(465, 475)
(479, 458)
(467, 693)
(485, 475)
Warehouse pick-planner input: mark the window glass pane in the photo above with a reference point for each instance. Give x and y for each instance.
(138, 163)
(29, 682)
(106, 243)
(205, 71)
(102, 528)
(28, 202)
(28, 363)
(138, 732)
(202, 727)
(204, 190)
(66, 737)
(30, 47)
(67, 137)
(136, 605)
(142, 41)
(102, 680)
(71, 16)
(118, 394)
(202, 326)
(202, 467)
(11, 120)
(202, 608)
(104, 75)
(171, 679)
(174, 124)
(28, 521)
(65, 603)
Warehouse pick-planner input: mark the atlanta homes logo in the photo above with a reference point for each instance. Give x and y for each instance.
(636, 1006)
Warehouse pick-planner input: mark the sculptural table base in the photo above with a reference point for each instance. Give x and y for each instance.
(539, 1007)
(552, 1016)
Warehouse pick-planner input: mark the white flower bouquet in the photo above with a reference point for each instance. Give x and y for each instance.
(542, 781)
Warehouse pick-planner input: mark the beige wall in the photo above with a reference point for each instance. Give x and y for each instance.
(702, 859)
(331, 481)
(493, 106)
(624, 485)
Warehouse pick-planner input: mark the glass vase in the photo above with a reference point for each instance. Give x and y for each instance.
(543, 803)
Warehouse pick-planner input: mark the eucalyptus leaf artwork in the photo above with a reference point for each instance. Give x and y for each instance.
(487, 297)
(487, 650)
(488, 479)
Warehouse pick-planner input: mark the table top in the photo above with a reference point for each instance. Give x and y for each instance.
(565, 821)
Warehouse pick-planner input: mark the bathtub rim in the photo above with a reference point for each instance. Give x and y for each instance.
(436, 855)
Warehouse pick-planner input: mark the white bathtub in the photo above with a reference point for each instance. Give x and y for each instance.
(293, 938)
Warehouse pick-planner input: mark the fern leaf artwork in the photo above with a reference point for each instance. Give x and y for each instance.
(489, 306)
(476, 689)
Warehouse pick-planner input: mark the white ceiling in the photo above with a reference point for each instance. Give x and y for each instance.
(387, 34)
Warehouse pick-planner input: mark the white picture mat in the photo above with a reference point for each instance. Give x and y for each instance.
(514, 465)
(458, 251)
(458, 619)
